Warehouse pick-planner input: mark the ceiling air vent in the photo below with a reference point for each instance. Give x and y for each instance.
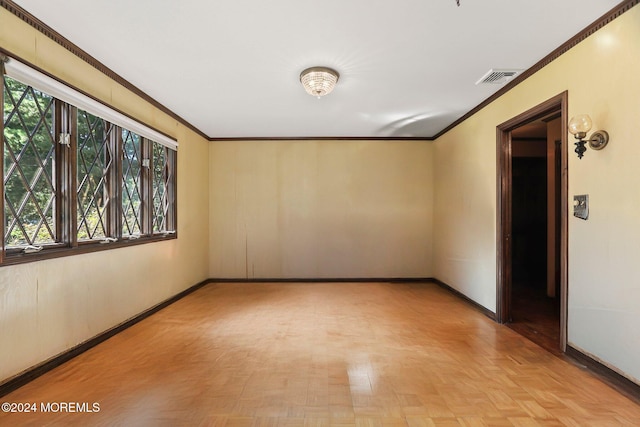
(498, 77)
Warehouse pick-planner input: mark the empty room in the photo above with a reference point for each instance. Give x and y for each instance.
(287, 213)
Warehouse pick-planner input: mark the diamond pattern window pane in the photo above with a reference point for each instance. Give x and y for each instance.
(160, 181)
(94, 163)
(131, 180)
(29, 166)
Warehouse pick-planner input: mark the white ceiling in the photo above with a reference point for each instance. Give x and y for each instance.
(231, 68)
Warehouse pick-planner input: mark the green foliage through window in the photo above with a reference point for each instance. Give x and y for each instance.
(29, 166)
(131, 183)
(160, 187)
(71, 177)
(94, 163)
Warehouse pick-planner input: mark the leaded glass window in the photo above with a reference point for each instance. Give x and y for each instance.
(131, 183)
(29, 166)
(94, 162)
(73, 180)
(160, 181)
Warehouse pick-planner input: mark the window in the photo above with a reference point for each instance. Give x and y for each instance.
(162, 188)
(77, 174)
(29, 186)
(131, 183)
(95, 163)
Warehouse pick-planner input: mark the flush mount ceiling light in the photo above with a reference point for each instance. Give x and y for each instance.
(319, 81)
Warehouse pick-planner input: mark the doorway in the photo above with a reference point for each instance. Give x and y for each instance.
(532, 224)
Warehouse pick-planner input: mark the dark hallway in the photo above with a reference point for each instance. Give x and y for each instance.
(535, 303)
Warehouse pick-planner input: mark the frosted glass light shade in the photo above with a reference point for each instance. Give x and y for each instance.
(319, 81)
(580, 125)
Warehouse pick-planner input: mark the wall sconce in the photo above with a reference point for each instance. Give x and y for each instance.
(579, 126)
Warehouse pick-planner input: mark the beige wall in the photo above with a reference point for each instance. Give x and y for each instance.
(50, 306)
(601, 75)
(321, 209)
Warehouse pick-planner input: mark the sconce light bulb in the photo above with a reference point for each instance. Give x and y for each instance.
(580, 125)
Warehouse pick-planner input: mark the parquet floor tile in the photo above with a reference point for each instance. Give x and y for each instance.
(322, 355)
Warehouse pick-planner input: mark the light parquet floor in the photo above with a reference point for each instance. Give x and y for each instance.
(323, 354)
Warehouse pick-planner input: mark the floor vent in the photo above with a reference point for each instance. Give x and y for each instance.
(498, 77)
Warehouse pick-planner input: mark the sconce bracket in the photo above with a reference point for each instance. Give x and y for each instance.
(599, 140)
(580, 148)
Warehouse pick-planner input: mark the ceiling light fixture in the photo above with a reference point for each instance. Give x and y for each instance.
(319, 81)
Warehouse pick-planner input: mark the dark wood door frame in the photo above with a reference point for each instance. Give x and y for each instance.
(557, 104)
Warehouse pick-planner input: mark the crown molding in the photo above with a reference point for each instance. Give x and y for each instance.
(559, 51)
(77, 51)
(31, 20)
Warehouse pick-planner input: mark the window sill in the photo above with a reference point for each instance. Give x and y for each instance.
(82, 248)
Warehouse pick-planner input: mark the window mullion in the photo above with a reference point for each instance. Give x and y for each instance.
(114, 186)
(68, 185)
(111, 176)
(59, 178)
(147, 184)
